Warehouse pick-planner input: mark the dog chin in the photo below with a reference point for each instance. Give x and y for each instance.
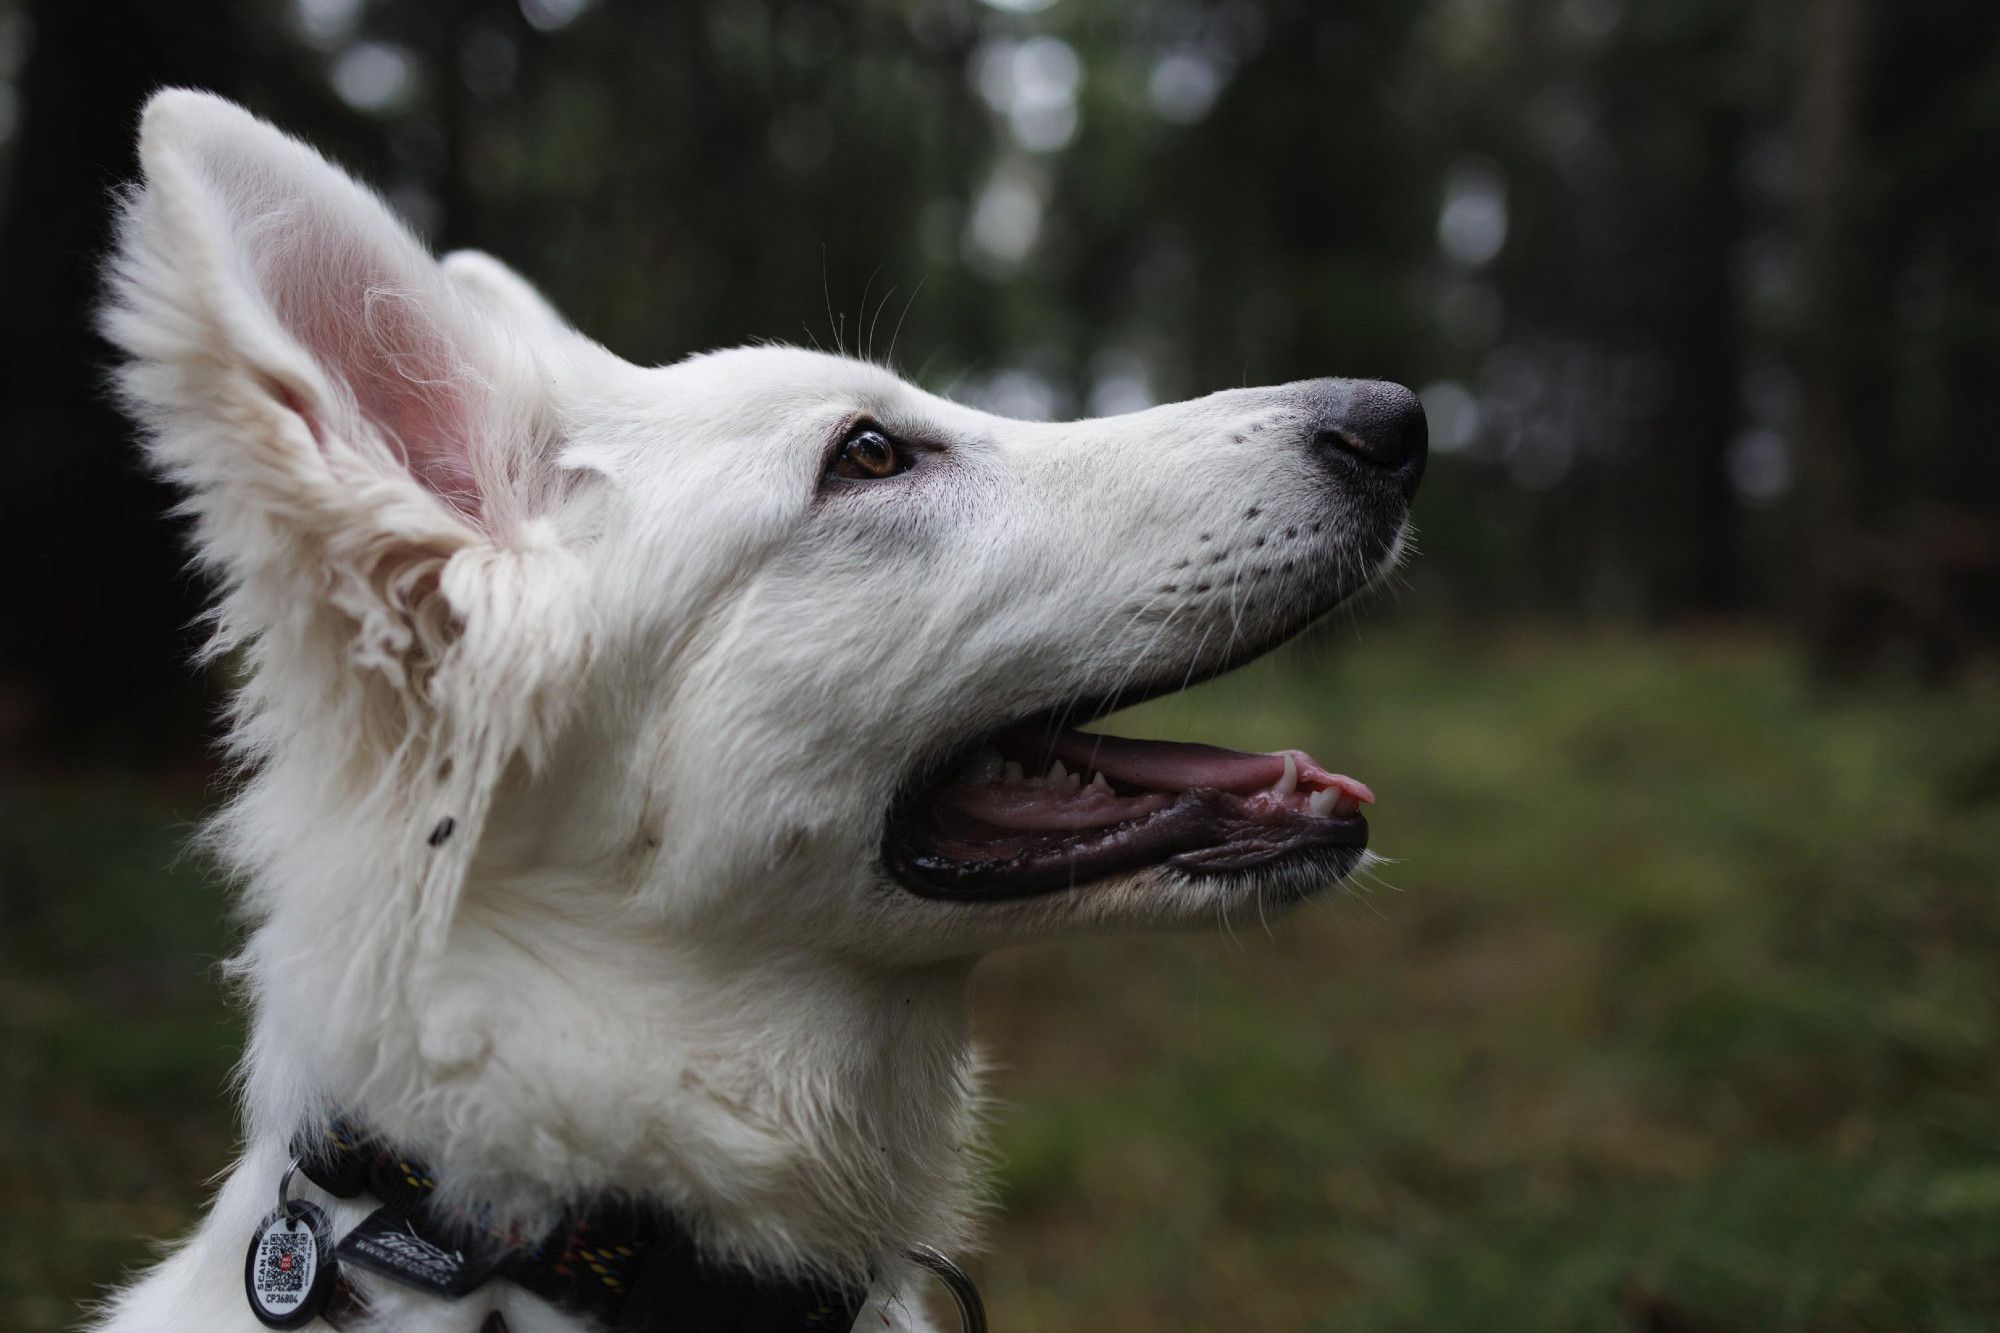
(1171, 898)
(1283, 884)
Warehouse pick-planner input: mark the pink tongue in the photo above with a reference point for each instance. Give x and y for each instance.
(1176, 765)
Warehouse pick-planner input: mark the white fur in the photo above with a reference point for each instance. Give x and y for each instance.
(475, 568)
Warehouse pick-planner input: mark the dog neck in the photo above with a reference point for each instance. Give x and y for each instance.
(793, 1111)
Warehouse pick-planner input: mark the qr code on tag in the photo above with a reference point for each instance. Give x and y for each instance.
(287, 1259)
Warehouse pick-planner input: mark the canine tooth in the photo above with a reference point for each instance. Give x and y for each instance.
(1322, 802)
(1012, 771)
(1057, 772)
(1290, 782)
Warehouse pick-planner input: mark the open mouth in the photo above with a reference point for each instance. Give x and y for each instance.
(1033, 810)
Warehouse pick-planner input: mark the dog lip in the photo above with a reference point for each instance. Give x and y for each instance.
(981, 835)
(1200, 832)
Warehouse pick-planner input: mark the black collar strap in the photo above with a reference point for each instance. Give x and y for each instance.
(628, 1265)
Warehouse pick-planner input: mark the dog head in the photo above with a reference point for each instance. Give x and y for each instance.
(766, 642)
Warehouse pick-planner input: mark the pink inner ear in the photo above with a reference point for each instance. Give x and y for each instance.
(380, 338)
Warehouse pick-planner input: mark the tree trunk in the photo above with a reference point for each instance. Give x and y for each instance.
(97, 631)
(1823, 443)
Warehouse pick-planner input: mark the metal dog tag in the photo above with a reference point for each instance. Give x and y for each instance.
(288, 1273)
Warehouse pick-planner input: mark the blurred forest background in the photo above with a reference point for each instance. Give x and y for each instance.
(1685, 1012)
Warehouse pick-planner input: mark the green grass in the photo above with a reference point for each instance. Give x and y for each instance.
(1678, 1008)
(116, 1040)
(1680, 1013)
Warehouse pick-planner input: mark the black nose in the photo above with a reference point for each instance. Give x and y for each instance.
(1375, 423)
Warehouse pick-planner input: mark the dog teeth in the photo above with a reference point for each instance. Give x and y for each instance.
(1097, 783)
(1333, 801)
(1290, 782)
(1057, 773)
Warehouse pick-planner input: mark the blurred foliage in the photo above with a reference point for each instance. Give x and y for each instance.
(1701, 294)
(1676, 1007)
(115, 1040)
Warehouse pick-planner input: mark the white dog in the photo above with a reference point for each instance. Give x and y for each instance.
(635, 761)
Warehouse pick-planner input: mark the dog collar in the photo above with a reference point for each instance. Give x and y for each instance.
(628, 1266)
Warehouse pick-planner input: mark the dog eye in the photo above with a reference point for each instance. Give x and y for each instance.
(867, 454)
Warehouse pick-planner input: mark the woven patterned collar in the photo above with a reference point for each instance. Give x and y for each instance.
(629, 1266)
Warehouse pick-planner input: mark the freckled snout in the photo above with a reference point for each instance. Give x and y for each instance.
(1370, 425)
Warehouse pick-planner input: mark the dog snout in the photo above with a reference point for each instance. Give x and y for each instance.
(1373, 423)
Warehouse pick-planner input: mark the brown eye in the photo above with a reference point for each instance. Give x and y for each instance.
(867, 455)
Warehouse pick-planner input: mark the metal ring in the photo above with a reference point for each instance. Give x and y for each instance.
(971, 1310)
(285, 1186)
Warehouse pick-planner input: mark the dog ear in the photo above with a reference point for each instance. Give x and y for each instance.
(503, 293)
(299, 354)
(367, 455)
